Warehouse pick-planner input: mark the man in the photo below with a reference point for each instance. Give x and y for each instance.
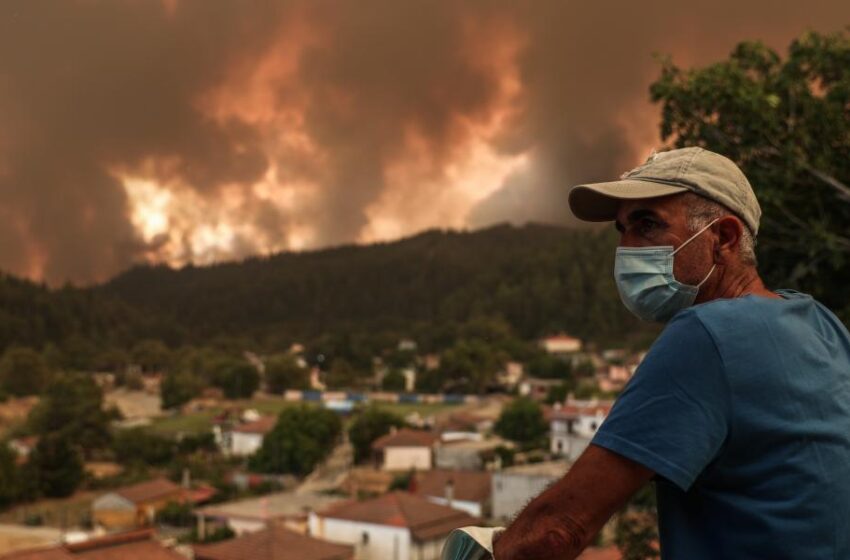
(740, 411)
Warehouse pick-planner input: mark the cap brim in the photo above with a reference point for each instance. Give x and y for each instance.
(599, 202)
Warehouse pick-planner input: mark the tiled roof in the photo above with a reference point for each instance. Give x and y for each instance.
(406, 438)
(262, 426)
(426, 520)
(123, 546)
(274, 543)
(467, 486)
(49, 553)
(148, 490)
(574, 411)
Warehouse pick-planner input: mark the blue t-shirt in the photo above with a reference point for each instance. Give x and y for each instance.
(742, 409)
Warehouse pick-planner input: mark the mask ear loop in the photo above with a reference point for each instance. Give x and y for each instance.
(694, 236)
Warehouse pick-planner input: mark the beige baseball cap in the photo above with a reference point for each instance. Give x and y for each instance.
(700, 171)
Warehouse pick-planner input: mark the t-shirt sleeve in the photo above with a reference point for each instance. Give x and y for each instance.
(673, 416)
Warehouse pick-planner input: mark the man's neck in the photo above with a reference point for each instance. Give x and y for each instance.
(738, 283)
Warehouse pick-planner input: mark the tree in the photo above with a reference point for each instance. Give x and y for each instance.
(301, 438)
(72, 406)
(522, 422)
(141, 446)
(237, 378)
(9, 476)
(23, 371)
(394, 380)
(786, 124)
(370, 424)
(341, 375)
(178, 388)
(470, 366)
(151, 355)
(56, 465)
(283, 372)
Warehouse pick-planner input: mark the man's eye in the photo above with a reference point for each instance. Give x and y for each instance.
(646, 226)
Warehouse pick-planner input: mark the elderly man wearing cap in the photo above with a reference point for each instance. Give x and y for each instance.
(740, 411)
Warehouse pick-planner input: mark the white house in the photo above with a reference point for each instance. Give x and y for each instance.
(468, 491)
(561, 344)
(574, 424)
(395, 526)
(514, 487)
(405, 449)
(244, 439)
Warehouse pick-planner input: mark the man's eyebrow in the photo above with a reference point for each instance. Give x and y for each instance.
(641, 213)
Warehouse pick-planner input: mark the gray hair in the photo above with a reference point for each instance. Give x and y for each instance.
(701, 212)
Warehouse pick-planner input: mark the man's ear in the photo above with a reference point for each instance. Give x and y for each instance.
(729, 232)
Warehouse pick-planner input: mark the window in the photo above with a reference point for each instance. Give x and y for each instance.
(364, 538)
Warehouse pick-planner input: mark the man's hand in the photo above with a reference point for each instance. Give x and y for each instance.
(561, 521)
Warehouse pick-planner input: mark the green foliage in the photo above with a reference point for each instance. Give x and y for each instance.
(402, 481)
(786, 123)
(558, 393)
(9, 477)
(237, 378)
(522, 422)
(151, 355)
(550, 367)
(302, 437)
(178, 388)
(394, 380)
(141, 446)
(636, 528)
(370, 424)
(283, 373)
(72, 406)
(23, 371)
(342, 375)
(56, 465)
(176, 515)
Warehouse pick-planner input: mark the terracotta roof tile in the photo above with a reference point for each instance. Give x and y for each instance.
(123, 546)
(467, 486)
(262, 426)
(148, 490)
(274, 543)
(406, 438)
(426, 520)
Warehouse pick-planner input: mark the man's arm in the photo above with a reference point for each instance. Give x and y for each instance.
(561, 521)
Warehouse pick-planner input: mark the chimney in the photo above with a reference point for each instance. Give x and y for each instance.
(187, 479)
(450, 492)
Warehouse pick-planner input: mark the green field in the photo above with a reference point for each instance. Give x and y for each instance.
(199, 422)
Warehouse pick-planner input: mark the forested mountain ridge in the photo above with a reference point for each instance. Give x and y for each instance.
(537, 278)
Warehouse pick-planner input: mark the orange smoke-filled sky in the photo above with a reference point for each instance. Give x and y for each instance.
(202, 130)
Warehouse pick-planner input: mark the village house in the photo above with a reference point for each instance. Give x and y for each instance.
(470, 454)
(537, 388)
(514, 487)
(136, 505)
(243, 439)
(395, 526)
(468, 491)
(124, 546)
(560, 344)
(405, 449)
(273, 543)
(573, 425)
(287, 509)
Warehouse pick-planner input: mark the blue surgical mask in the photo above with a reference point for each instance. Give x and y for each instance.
(645, 280)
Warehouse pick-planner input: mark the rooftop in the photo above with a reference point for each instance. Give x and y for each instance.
(426, 520)
(467, 486)
(273, 506)
(554, 469)
(123, 546)
(148, 490)
(406, 437)
(262, 426)
(274, 543)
